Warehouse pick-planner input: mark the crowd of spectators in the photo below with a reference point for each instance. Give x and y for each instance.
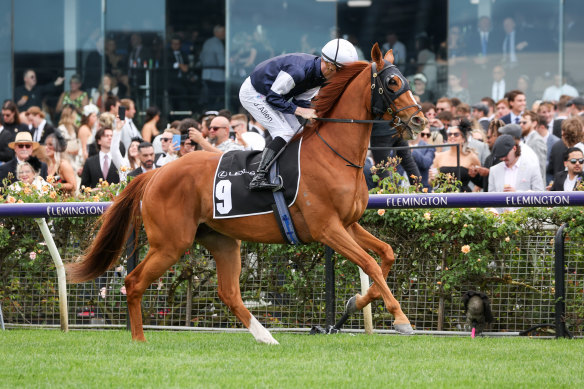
(83, 139)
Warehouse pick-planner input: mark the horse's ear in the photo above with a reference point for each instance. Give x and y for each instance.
(389, 56)
(376, 56)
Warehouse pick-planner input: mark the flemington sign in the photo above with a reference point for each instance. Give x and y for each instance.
(476, 200)
(376, 201)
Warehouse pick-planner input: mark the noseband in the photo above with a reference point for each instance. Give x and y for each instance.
(382, 96)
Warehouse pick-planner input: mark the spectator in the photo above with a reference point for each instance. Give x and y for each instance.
(218, 141)
(569, 179)
(443, 104)
(146, 156)
(106, 88)
(498, 85)
(58, 165)
(249, 140)
(30, 94)
(420, 90)
(424, 157)
(75, 96)
(515, 131)
(87, 130)
(562, 112)
(514, 42)
(513, 173)
(23, 146)
(532, 139)
(517, 105)
(11, 125)
(169, 148)
(480, 42)
(559, 88)
(490, 103)
(572, 136)
(492, 135)
(186, 145)
(100, 166)
(128, 161)
(576, 106)
(502, 108)
(547, 110)
(28, 172)
(213, 75)
(68, 130)
(130, 131)
(40, 128)
(446, 161)
(480, 114)
(455, 89)
(549, 138)
(177, 74)
(150, 129)
(399, 49)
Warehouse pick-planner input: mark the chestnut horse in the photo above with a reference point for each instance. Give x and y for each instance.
(175, 202)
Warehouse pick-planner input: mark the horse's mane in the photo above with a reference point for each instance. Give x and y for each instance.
(330, 93)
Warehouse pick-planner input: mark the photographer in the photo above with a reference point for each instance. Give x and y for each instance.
(218, 141)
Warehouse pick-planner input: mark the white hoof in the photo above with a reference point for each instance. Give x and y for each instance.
(260, 333)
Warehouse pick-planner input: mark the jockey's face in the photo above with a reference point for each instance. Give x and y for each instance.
(327, 69)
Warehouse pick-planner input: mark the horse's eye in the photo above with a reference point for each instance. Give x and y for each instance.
(392, 81)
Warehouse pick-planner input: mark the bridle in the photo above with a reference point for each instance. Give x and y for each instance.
(384, 97)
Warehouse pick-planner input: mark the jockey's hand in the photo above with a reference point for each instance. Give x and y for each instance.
(306, 113)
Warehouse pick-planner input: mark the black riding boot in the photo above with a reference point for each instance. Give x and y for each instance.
(261, 180)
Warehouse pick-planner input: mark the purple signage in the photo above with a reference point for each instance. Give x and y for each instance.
(376, 201)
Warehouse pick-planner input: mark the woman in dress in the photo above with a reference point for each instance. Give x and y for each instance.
(58, 165)
(75, 96)
(446, 161)
(87, 130)
(149, 131)
(130, 161)
(68, 130)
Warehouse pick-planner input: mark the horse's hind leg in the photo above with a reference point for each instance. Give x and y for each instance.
(369, 242)
(227, 254)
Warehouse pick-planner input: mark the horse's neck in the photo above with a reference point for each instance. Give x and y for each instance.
(352, 139)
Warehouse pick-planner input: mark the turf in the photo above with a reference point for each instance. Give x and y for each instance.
(104, 359)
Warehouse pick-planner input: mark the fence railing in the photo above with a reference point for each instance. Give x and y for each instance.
(186, 295)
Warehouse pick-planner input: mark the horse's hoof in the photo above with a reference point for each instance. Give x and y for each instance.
(351, 306)
(404, 329)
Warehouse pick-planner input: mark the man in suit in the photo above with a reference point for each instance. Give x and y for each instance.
(532, 138)
(11, 125)
(178, 88)
(31, 94)
(146, 156)
(568, 180)
(513, 173)
(517, 105)
(40, 128)
(23, 147)
(480, 41)
(100, 166)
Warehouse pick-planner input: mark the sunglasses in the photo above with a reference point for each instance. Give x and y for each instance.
(579, 160)
(24, 146)
(165, 139)
(425, 134)
(215, 128)
(454, 134)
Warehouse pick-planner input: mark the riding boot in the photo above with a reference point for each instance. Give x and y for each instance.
(261, 180)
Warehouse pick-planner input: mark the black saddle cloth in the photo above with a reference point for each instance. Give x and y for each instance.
(231, 194)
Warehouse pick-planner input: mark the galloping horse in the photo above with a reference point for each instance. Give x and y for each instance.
(175, 202)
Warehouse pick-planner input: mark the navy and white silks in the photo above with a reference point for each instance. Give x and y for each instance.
(277, 87)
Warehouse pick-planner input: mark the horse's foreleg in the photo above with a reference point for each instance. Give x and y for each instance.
(369, 242)
(227, 254)
(342, 242)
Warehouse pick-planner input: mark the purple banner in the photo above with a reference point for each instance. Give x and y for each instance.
(376, 201)
(53, 209)
(476, 200)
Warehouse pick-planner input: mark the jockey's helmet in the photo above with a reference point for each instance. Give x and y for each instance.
(339, 52)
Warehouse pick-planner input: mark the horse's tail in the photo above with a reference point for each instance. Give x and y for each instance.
(111, 238)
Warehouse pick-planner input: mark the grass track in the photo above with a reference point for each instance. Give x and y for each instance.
(104, 359)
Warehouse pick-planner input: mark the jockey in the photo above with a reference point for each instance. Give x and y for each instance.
(282, 87)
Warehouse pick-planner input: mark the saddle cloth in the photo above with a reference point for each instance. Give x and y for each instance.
(231, 196)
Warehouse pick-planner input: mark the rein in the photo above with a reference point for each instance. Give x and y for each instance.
(377, 107)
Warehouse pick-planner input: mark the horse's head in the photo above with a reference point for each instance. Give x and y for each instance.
(391, 97)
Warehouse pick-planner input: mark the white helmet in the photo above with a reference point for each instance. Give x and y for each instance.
(339, 52)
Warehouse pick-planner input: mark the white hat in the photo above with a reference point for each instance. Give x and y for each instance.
(339, 52)
(89, 109)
